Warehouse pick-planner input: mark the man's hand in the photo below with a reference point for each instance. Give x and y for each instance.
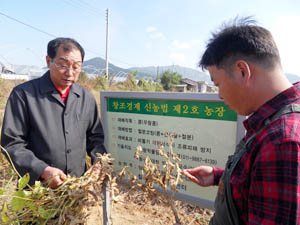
(54, 177)
(202, 175)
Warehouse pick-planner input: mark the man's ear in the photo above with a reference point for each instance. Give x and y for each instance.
(243, 70)
(48, 61)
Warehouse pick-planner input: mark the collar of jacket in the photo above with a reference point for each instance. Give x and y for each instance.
(48, 87)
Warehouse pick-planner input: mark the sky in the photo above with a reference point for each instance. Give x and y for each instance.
(141, 33)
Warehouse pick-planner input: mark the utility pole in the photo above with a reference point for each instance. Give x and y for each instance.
(106, 67)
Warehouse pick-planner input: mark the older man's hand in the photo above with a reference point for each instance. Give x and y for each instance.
(53, 176)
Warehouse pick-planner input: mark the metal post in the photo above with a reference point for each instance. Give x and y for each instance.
(106, 203)
(106, 73)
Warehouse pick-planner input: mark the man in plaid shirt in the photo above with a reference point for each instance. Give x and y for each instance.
(260, 183)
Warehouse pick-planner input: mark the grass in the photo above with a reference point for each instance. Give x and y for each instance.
(6, 87)
(1, 120)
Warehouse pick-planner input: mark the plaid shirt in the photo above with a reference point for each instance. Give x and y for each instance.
(266, 181)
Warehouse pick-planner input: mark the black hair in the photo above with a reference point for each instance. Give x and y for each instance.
(68, 44)
(240, 39)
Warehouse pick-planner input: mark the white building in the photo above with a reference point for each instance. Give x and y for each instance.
(14, 76)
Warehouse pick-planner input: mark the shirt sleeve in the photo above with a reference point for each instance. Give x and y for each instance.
(274, 190)
(217, 175)
(95, 134)
(14, 135)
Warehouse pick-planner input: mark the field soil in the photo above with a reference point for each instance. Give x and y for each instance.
(132, 208)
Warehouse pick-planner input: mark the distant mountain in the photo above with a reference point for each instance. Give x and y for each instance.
(97, 66)
(33, 71)
(186, 72)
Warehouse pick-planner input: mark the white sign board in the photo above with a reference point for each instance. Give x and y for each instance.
(206, 132)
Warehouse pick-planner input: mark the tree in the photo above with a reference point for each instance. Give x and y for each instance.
(130, 83)
(142, 83)
(169, 79)
(100, 83)
(135, 73)
(82, 77)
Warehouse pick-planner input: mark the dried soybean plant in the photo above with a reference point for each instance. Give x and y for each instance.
(154, 177)
(68, 204)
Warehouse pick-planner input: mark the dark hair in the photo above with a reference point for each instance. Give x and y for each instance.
(68, 44)
(240, 39)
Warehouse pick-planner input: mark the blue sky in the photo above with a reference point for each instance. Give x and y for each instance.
(142, 33)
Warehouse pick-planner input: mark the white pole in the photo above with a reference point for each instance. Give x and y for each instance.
(106, 73)
(106, 203)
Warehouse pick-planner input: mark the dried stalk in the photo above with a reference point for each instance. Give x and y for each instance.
(153, 176)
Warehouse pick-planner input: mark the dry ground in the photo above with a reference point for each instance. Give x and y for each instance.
(132, 209)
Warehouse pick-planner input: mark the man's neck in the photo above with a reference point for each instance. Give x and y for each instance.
(63, 90)
(269, 85)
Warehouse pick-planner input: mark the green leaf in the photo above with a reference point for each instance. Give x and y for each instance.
(46, 214)
(23, 181)
(32, 206)
(3, 213)
(17, 202)
(1, 192)
(38, 190)
(37, 183)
